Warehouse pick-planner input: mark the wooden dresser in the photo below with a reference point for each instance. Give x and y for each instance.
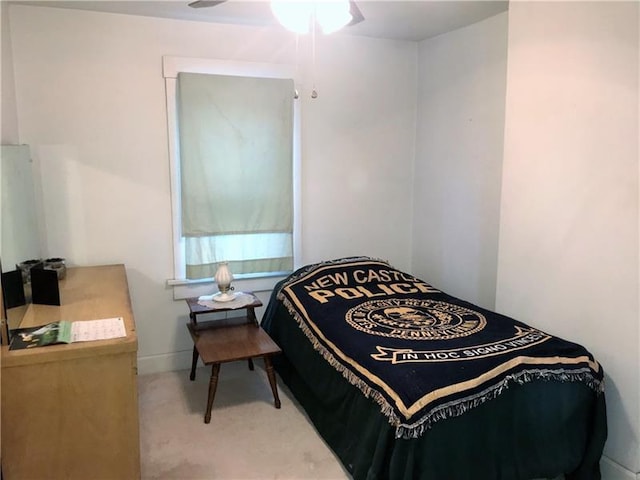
(71, 411)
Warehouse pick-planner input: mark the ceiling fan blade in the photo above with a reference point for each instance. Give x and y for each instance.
(205, 3)
(355, 12)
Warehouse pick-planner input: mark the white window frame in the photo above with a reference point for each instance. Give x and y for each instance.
(171, 66)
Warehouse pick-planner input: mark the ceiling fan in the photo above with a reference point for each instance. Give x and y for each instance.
(356, 14)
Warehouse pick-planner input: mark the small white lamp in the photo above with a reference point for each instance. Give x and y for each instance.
(223, 278)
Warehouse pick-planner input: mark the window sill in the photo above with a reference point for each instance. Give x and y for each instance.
(243, 283)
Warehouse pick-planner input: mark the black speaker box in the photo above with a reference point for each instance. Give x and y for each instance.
(13, 289)
(44, 287)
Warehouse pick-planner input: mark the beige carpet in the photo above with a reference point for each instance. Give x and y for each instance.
(248, 438)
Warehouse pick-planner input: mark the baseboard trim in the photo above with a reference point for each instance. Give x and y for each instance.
(168, 362)
(614, 471)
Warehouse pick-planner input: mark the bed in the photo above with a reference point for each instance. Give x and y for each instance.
(404, 381)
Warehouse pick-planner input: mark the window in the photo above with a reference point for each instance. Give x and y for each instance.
(234, 150)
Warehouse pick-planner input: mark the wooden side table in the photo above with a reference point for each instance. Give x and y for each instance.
(228, 340)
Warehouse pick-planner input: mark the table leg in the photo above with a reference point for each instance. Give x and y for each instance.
(251, 316)
(272, 379)
(213, 384)
(194, 362)
(251, 364)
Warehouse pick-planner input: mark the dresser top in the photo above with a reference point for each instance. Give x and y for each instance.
(86, 293)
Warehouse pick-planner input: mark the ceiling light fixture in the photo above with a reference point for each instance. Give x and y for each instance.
(301, 15)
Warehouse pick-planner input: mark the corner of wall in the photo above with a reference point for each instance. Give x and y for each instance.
(9, 114)
(611, 470)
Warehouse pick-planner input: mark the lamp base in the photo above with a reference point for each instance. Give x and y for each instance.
(223, 297)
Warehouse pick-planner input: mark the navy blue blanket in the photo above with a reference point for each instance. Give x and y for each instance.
(421, 354)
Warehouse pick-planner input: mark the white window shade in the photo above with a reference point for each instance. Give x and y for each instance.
(236, 150)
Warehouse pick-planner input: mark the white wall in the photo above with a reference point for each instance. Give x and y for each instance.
(459, 146)
(359, 149)
(8, 113)
(91, 104)
(568, 257)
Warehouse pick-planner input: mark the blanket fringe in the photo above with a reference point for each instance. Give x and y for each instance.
(407, 430)
(460, 406)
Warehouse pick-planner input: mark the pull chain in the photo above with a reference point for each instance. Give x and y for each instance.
(314, 93)
(296, 94)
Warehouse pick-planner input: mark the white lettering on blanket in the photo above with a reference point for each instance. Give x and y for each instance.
(323, 295)
(522, 339)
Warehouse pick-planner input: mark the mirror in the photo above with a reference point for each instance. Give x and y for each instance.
(19, 238)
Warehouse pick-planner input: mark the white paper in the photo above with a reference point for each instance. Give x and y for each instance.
(102, 329)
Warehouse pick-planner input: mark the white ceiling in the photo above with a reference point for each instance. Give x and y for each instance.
(403, 20)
